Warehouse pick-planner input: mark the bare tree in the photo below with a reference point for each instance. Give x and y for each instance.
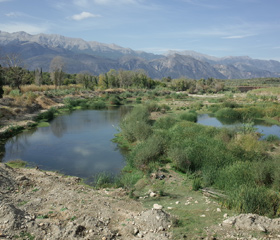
(38, 77)
(57, 70)
(14, 70)
(1, 81)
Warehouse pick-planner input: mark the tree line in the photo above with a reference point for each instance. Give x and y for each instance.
(14, 74)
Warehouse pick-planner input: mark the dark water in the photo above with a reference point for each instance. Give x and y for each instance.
(77, 144)
(261, 127)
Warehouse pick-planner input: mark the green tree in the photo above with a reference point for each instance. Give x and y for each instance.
(86, 79)
(14, 70)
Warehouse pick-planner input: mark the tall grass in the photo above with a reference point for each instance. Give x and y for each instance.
(136, 125)
(236, 163)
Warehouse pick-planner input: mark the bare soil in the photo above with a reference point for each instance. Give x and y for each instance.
(35, 204)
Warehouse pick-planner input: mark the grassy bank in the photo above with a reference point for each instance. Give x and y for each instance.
(236, 163)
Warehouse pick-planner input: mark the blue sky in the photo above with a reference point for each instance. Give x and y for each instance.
(214, 27)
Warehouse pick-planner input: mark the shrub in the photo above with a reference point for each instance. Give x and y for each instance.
(196, 184)
(179, 159)
(232, 176)
(148, 151)
(138, 100)
(128, 178)
(47, 115)
(15, 93)
(102, 180)
(165, 123)
(230, 105)
(253, 199)
(251, 112)
(115, 100)
(99, 104)
(189, 116)
(153, 107)
(136, 124)
(196, 105)
(228, 113)
(271, 138)
(263, 172)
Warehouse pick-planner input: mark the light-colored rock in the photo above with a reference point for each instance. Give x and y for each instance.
(157, 206)
(153, 194)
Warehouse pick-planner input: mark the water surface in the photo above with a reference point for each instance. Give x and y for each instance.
(77, 144)
(261, 127)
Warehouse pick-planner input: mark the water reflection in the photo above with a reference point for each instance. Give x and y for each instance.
(76, 144)
(262, 127)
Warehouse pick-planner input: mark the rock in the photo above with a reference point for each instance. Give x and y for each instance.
(177, 202)
(202, 215)
(225, 215)
(262, 228)
(135, 231)
(230, 221)
(160, 228)
(157, 206)
(219, 210)
(153, 194)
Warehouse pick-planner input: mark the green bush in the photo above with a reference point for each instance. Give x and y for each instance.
(251, 112)
(99, 104)
(129, 177)
(228, 113)
(138, 100)
(153, 107)
(179, 159)
(102, 180)
(165, 123)
(149, 151)
(47, 115)
(115, 100)
(232, 176)
(196, 184)
(271, 138)
(15, 93)
(189, 116)
(253, 199)
(136, 124)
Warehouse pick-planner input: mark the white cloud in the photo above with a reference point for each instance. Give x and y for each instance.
(84, 15)
(234, 37)
(82, 151)
(17, 27)
(14, 14)
(239, 36)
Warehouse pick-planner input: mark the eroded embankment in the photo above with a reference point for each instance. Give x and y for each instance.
(45, 205)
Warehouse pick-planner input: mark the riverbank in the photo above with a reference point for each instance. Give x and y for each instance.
(192, 214)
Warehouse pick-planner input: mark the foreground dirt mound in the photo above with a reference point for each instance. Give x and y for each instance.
(46, 205)
(254, 222)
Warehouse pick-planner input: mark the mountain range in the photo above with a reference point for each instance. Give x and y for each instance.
(37, 51)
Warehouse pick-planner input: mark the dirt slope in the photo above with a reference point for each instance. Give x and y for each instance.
(44, 205)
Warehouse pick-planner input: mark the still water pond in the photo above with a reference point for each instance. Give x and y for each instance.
(261, 127)
(77, 144)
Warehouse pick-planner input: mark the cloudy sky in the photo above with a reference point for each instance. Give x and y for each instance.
(214, 27)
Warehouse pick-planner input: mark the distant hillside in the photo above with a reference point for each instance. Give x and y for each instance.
(38, 50)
